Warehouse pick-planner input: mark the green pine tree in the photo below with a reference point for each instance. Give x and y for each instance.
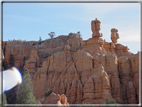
(25, 94)
(3, 100)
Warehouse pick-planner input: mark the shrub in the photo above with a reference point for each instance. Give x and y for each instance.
(109, 103)
(48, 93)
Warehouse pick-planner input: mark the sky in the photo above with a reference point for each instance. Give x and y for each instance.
(29, 21)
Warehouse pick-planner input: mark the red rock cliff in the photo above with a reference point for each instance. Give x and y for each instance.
(86, 71)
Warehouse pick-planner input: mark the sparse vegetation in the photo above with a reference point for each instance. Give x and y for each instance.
(25, 61)
(109, 103)
(51, 34)
(38, 102)
(79, 33)
(40, 40)
(71, 33)
(3, 96)
(37, 69)
(34, 44)
(48, 93)
(22, 65)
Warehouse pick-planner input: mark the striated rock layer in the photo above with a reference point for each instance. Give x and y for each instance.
(86, 71)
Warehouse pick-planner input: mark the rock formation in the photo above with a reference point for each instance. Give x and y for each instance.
(95, 44)
(114, 35)
(60, 101)
(84, 71)
(114, 47)
(95, 27)
(32, 63)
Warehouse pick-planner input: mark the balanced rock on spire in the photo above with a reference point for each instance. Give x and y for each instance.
(95, 27)
(114, 35)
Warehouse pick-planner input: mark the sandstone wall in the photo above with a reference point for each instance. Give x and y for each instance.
(85, 71)
(84, 78)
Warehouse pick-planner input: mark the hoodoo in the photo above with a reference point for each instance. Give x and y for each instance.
(76, 70)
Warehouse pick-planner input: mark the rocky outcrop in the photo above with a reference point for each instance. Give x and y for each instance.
(134, 62)
(70, 78)
(94, 45)
(109, 48)
(125, 77)
(110, 65)
(122, 50)
(83, 61)
(114, 47)
(86, 71)
(97, 87)
(16, 53)
(40, 77)
(75, 44)
(95, 27)
(60, 101)
(84, 78)
(117, 49)
(131, 93)
(114, 35)
(21, 50)
(32, 63)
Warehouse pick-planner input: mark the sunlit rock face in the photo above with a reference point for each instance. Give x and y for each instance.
(59, 100)
(114, 35)
(85, 71)
(95, 27)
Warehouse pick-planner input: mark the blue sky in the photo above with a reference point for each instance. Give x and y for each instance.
(29, 21)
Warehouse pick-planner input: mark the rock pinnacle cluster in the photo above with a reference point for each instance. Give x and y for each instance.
(78, 71)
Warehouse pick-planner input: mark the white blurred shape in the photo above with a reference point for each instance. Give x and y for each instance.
(11, 78)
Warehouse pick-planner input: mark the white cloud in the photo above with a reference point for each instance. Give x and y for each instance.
(103, 8)
(129, 36)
